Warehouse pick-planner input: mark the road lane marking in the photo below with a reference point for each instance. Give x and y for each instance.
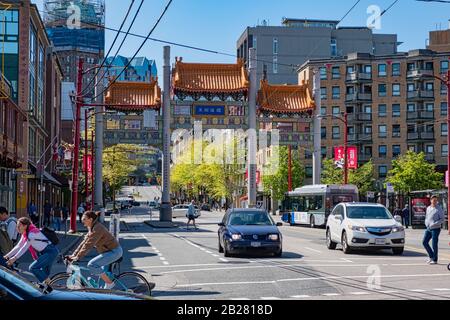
(388, 291)
(312, 279)
(162, 258)
(346, 260)
(215, 255)
(313, 250)
(239, 299)
(165, 262)
(208, 252)
(331, 294)
(441, 289)
(359, 293)
(270, 298)
(418, 290)
(303, 296)
(224, 260)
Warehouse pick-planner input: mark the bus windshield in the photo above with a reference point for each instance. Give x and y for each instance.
(368, 213)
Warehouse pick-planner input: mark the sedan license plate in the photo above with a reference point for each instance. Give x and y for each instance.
(256, 244)
(380, 241)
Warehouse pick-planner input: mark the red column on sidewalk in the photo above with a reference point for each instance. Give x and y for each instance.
(85, 158)
(92, 171)
(76, 150)
(345, 148)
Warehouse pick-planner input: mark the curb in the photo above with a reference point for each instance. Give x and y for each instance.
(159, 225)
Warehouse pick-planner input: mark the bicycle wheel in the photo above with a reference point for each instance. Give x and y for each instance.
(65, 281)
(134, 283)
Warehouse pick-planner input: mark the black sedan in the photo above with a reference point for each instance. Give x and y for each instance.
(249, 231)
(14, 287)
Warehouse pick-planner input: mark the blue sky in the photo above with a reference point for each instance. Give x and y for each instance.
(217, 25)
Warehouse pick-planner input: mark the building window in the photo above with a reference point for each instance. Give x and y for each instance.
(112, 124)
(412, 148)
(382, 151)
(444, 150)
(382, 90)
(396, 110)
(368, 129)
(333, 47)
(275, 45)
(443, 88)
(429, 107)
(368, 69)
(323, 111)
(132, 124)
(396, 150)
(411, 107)
(323, 132)
(444, 66)
(382, 131)
(444, 108)
(336, 133)
(395, 69)
(382, 70)
(323, 152)
(309, 172)
(336, 92)
(429, 86)
(396, 90)
(444, 129)
(323, 73)
(336, 110)
(396, 131)
(275, 65)
(382, 171)
(382, 110)
(323, 93)
(429, 149)
(336, 73)
(308, 154)
(410, 87)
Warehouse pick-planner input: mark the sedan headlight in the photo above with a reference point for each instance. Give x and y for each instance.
(236, 236)
(358, 229)
(273, 237)
(398, 229)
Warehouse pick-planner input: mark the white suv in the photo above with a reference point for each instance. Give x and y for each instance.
(364, 225)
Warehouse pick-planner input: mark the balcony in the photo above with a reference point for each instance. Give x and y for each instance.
(359, 76)
(360, 138)
(420, 115)
(417, 95)
(421, 136)
(359, 117)
(358, 97)
(364, 157)
(419, 73)
(5, 87)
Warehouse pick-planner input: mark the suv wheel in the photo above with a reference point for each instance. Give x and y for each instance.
(220, 248)
(330, 244)
(345, 247)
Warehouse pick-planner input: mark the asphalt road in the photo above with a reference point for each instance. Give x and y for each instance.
(186, 265)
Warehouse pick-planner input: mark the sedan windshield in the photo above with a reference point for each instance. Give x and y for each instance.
(250, 218)
(368, 213)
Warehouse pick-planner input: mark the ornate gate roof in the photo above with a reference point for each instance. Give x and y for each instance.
(210, 80)
(285, 99)
(133, 96)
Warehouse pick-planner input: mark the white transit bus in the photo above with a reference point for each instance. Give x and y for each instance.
(312, 204)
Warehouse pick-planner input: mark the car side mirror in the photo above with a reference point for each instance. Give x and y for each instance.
(221, 224)
(340, 218)
(279, 224)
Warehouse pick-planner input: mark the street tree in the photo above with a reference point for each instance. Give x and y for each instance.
(363, 177)
(412, 172)
(119, 162)
(277, 182)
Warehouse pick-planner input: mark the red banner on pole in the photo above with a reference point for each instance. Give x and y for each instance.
(352, 157)
(87, 165)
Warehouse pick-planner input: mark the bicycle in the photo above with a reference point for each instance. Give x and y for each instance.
(73, 279)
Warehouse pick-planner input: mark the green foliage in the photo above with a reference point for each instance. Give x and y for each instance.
(412, 172)
(278, 182)
(363, 177)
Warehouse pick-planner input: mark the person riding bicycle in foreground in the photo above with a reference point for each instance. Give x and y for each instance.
(107, 246)
(43, 251)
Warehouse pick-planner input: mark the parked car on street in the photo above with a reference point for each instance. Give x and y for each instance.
(14, 287)
(110, 209)
(364, 226)
(249, 231)
(181, 210)
(206, 207)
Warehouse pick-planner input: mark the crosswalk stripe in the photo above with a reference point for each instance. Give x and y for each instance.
(359, 293)
(331, 294)
(239, 299)
(270, 298)
(301, 296)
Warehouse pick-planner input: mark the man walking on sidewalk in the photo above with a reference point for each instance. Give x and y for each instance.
(191, 215)
(405, 216)
(433, 222)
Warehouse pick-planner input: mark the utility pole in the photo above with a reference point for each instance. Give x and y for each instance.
(448, 144)
(166, 208)
(98, 180)
(76, 150)
(290, 168)
(317, 122)
(345, 148)
(252, 135)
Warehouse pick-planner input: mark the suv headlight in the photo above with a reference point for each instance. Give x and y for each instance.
(398, 229)
(273, 237)
(236, 236)
(358, 229)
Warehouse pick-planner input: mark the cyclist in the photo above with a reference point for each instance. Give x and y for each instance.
(107, 246)
(42, 250)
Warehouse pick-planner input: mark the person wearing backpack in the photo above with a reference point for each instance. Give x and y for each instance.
(10, 224)
(6, 244)
(43, 251)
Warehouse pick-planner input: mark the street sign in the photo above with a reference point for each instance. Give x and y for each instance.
(29, 176)
(389, 188)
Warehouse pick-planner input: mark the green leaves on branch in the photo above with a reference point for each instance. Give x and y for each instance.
(411, 172)
(363, 177)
